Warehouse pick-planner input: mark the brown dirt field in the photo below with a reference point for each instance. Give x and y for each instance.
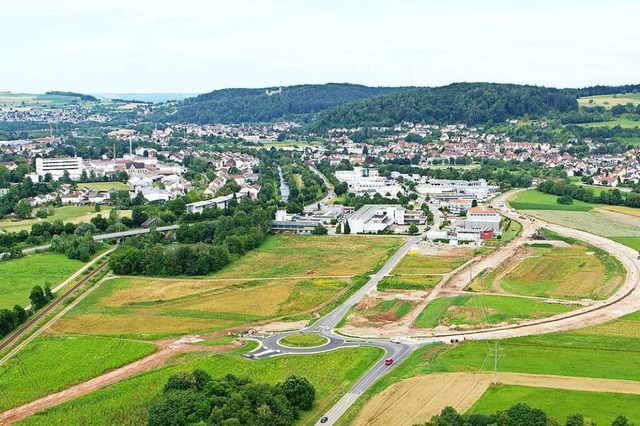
(119, 324)
(167, 349)
(417, 399)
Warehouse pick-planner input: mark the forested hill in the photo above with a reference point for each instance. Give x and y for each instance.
(471, 103)
(271, 104)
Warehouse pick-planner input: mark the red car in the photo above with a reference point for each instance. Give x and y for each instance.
(389, 361)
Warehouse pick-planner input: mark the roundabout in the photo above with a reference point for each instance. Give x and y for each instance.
(303, 340)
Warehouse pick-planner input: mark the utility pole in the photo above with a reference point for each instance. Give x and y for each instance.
(496, 353)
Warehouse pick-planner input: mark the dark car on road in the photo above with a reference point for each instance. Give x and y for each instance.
(324, 419)
(389, 361)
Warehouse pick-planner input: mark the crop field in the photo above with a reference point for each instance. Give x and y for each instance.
(413, 264)
(148, 308)
(479, 310)
(619, 121)
(50, 364)
(536, 200)
(17, 277)
(601, 407)
(607, 224)
(296, 256)
(74, 214)
(106, 186)
(127, 402)
(621, 209)
(560, 272)
(609, 101)
(409, 282)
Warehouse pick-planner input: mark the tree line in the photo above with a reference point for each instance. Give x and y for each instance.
(564, 188)
(10, 319)
(517, 415)
(196, 398)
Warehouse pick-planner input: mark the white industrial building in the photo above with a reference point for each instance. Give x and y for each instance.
(483, 218)
(479, 188)
(374, 218)
(57, 166)
(362, 180)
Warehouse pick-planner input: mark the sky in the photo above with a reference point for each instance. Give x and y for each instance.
(196, 46)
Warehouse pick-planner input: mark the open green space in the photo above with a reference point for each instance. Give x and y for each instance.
(105, 186)
(478, 310)
(127, 402)
(413, 264)
(609, 101)
(633, 242)
(536, 200)
(574, 272)
(298, 255)
(17, 277)
(74, 214)
(149, 308)
(601, 407)
(409, 282)
(596, 222)
(304, 340)
(51, 364)
(619, 121)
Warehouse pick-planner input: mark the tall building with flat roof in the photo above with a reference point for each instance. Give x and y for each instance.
(57, 167)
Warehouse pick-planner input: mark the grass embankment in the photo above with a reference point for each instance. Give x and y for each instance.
(105, 186)
(542, 270)
(127, 402)
(536, 200)
(429, 265)
(481, 309)
(73, 214)
(51, 364)
(304, 340)
(17, 277)
(601, 407)
(409, 282)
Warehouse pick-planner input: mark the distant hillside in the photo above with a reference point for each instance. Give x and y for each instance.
(81, 96)
(270, 104)
(149, 97)
(471, 103)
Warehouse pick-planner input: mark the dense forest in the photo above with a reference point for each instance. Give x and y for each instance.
(264, 105)
(197, 399)
(471, 103)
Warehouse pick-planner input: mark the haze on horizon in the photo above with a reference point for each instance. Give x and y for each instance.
(196, 46)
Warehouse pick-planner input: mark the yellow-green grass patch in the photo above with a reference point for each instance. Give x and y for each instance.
(409, 282)
(413, 264)
(303, 340)
(73, 214)
(19, 276)
(51, 364)
(609, 101)
(297, 255)
(105, 186)
(596, 222)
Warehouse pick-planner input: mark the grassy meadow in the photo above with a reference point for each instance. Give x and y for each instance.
(105, 186)
(609, 101)
(18, 276)
(73, 214)
(51, 364)
(536, 200)
(153, 307)
(601, 407)
(481, 309)
(409, 282)
(413, 264)
(127, 402)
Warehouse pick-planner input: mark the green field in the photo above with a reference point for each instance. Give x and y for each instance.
(477, 310)
(429, 265)
(17, 277)
(601, 407)
(295, 256)
(536, 200)
(304, 340)
(619, 121)
(74, 214)
(609, 101)
(105, 186)
(126, 402)
(558, 272)
(409, 282)
(596, 222)
(633, 242)
(51, 364)
(149, 308)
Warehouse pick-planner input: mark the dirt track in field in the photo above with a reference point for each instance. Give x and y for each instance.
(417, 399)
(166, 350)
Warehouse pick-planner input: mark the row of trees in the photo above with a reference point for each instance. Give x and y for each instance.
(196, 398)
(10, 319)
(517, 415)
(567, 190)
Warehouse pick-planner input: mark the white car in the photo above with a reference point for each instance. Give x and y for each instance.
(395, 340)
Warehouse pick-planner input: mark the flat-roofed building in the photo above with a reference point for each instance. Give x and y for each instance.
(57, 166)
